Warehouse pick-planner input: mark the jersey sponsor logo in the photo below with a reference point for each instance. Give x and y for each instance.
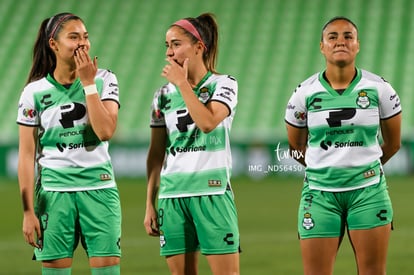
(187, 149)
(70, 113)
(231, 90)
(326, 144)
(73, 146)
(335, 117)
(225, 95)
(349, 144)
(363, 100)
(339, 132)
(72, 133)
(183, 120)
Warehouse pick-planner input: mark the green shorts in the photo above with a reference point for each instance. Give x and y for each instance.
(327, 214)
(94, 217)
(205, 223)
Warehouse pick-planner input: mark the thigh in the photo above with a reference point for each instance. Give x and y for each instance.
(320, 215)
(177, 231)
(216, 222)
(370, 207)
(183, 263)
(100, 222)
(371, 246)
(318, 255)
(224, 264)
(57, 215)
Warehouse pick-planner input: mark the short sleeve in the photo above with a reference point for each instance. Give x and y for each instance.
(157, 117)
(390, 104)
(226, 92)
(296, 111)
(27, 113)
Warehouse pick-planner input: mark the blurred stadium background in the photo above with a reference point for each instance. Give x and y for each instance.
(268, 45)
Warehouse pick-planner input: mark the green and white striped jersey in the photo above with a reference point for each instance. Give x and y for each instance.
(70, 156)
(196, 163)
(343, 151)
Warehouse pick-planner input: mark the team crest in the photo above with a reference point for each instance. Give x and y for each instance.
(162, 239)
(204, 95)
(363, 100)
(308, 223)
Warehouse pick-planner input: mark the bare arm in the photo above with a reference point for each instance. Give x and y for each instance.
(391, 135)
(155, 160)
(206, 117)
(297, 139)
(103, 115)
(26, 174)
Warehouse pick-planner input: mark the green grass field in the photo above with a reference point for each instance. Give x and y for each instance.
(267, 213)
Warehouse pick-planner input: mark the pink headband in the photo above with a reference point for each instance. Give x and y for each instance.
(186, 25)
(58, 23)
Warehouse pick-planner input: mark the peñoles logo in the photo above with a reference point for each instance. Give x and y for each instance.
(175, 150)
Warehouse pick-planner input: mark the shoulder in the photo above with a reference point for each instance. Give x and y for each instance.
(308, 84)
(373, 78)
(105, 73)
(222, 77)
(165, 89)
(38, 86)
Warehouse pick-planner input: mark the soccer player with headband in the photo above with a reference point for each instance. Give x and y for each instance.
(189, 159)
(67, 114)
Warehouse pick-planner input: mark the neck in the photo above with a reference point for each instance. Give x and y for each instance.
(340, 77)
(196, 76)
(64, 74)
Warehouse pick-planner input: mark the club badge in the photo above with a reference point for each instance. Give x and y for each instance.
(308, 222)
(363, 100)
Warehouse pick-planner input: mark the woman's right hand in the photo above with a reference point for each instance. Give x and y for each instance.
(31, 230)
(151, 222)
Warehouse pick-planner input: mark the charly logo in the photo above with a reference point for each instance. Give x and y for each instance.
(363, 100)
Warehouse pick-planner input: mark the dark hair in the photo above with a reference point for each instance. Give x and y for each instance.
(44, 59)
(336, 18)
(207, 27)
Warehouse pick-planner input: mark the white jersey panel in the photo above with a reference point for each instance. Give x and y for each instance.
(70, 156)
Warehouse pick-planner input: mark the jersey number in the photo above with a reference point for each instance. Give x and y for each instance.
(335, 118)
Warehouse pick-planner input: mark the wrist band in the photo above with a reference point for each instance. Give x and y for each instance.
(90, 89)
